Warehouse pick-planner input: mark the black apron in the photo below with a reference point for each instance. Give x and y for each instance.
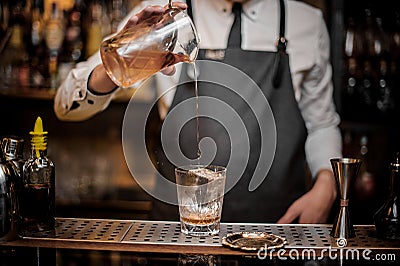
(286, 178)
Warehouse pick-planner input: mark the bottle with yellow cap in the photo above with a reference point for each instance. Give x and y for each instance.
(37, 202)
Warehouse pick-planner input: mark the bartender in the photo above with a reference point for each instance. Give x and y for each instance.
(249, 35)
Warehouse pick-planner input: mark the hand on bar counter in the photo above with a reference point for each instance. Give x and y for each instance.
(315, 205)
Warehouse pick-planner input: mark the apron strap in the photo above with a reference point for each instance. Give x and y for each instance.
(280, 44)
(281, 47)
(235, 34)
(189, 9)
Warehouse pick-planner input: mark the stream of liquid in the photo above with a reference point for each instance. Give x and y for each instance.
(197, 112)
(197, 104)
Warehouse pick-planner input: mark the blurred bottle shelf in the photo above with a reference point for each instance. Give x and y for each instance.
(29, 93)
(365, 57)
(41, 41)
(49, 94)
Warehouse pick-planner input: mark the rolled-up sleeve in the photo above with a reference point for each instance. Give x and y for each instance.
(318, 109)
(73, 100)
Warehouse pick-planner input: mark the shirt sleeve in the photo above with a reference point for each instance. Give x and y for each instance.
(73, 100)
(318, 109)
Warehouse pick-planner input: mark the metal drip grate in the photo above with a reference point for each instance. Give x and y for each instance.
(168, 233)
(366, 238)
(297, 236)
(88, 230)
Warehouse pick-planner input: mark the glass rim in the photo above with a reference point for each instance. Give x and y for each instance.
(345, 160)
(214, 168)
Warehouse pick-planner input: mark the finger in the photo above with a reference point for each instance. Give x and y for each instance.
(179, 5)
(149, 11)
(286, 219)
(169, 71)
(313, 217)
(290, 215)
(144, 14)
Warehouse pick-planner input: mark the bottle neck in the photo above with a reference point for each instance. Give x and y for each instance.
(38, 153)
(395, 183)
(16, 39)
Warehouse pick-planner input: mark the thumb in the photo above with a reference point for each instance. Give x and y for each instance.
(169, 71)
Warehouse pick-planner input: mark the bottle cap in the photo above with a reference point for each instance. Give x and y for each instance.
(39, 137)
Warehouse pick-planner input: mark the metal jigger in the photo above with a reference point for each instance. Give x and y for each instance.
(345, 170)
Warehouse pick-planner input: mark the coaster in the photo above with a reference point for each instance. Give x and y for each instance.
(253, 241)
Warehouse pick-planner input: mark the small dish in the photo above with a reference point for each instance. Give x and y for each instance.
(253, 241)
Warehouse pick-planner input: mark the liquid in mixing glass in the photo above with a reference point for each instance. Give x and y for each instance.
(131, 68)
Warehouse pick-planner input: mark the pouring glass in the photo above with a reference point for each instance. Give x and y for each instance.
(139, 51)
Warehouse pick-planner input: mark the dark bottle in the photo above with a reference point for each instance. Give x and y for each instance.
(14, 58)
(9, 214)
(375, 51)
(387, 218)
(37, 47)
(74, 35)
(72, 50)
(395, 62)
(118, 12)
(37, 204)
(97, 26)
(385, 102)
(365, 183)
(54, 37)
(352, 68)
(4, 14)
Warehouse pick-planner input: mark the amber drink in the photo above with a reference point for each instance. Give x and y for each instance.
(200, 198)
(141, 50)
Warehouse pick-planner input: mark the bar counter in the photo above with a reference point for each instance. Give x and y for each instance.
(156, 237)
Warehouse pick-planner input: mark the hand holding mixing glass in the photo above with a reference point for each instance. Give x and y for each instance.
(153, 40)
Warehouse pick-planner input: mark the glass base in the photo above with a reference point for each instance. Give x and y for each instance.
(200, 229)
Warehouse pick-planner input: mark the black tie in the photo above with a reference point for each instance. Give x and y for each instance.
(235, 36)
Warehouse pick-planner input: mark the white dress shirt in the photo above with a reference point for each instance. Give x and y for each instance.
(308, 49)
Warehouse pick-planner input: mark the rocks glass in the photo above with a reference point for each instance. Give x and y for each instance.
(200, 198)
